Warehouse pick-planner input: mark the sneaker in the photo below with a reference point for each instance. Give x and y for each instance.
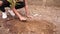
(4, 15)
(11, 12)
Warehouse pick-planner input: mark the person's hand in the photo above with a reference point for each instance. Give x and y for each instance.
(1, 2)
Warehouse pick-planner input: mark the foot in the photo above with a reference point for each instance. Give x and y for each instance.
(11, 12)
(4, 15)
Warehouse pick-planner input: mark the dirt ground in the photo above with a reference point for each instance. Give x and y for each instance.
(46, 20)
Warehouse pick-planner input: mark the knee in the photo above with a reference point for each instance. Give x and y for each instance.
(1, 3)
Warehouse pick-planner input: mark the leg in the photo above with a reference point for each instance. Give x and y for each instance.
(4, 15)
(2, 8)
(9, 10)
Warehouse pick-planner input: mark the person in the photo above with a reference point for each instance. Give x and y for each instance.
(5, 3)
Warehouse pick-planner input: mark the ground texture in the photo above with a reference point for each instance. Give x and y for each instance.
(46, 20)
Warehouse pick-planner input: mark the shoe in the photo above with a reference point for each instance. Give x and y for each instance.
(11, 12)
(4, 15)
